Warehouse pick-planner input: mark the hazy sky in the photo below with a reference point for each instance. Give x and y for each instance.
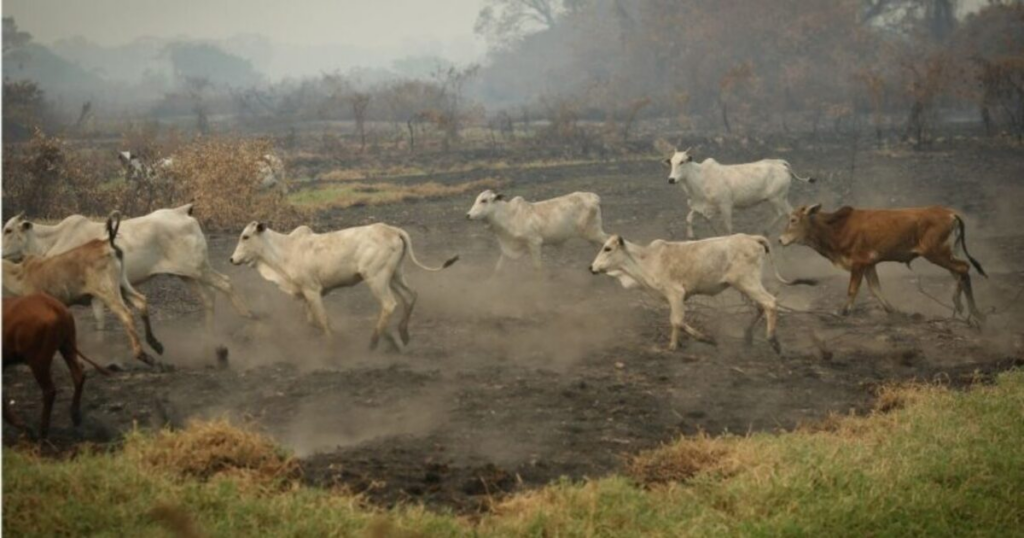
(385, 26)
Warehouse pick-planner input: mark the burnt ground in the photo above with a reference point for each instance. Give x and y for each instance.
(514, 381)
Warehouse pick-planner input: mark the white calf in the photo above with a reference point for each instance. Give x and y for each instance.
(307, 265)
(715, 189)
(522, 226)
(679, 270)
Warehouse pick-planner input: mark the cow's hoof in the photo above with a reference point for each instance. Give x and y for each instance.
(404, 334)
(146, 359)
(156, 345)
(775, 345)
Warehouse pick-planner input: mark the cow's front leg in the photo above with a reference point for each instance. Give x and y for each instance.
(689, 223)
(875, 287)
(500, 265)
(856, 275)
(676, 300)
(726, 212)
(315, 304)
(534, 248)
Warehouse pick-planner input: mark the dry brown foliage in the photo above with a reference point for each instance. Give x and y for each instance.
(221, 176)
(205, 449)
(45, 179)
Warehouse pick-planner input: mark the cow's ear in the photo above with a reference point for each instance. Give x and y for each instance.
(499, 197)
(260, 227)
(622, 242)
(27, 225)
(667, 161)
(813, 209)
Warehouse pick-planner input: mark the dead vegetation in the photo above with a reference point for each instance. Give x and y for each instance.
(207, 449)
(352, 194)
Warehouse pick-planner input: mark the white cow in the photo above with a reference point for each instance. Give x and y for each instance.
(522, 226)
(715, 189)
(308, 265)
(677, 270)
(164, 242)
(271, 171)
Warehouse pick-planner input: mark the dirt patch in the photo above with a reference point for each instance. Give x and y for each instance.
(514, 381)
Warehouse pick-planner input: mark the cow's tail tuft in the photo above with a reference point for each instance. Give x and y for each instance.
(961, 239)
(771, 258)
(113, 224)
(808, 179)
(407, 246)
(101, 369)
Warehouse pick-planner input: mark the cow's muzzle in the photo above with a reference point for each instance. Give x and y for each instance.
(592, 270)
(671, 181)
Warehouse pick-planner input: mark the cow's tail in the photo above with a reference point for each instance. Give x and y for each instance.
(101, 369)
(114, 224)
(407, 245)
(771, 258)
(789, 168)
(961, 239)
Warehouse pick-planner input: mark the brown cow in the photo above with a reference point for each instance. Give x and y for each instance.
(93, 271)
(35, 327)
(859, 239)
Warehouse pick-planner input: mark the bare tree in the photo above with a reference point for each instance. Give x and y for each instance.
(360, 102)
(505, 21)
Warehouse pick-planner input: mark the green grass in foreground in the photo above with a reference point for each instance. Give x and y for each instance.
(942, 463)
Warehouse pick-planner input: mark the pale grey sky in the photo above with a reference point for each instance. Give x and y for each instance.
(384, 26)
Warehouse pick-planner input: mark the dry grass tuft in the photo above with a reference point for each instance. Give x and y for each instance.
(351, 194)
(205, 449)
(893, 396)
(680, 460)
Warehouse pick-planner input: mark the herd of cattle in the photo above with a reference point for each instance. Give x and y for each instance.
(78, 261)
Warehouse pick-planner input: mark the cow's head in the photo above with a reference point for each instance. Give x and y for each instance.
(611, 257)
(677, 164)
(125, 157)
(483, 207)
(799, 225)
(19, 238)
(250, 244)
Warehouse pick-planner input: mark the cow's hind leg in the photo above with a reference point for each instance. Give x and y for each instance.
(70, 354)
(408, 296)
(766, 304)
(222, 283)
(115, 303)
(139, 302)
(782, 210)
(40, 365)
(99, 315)
(961, 272)
(876, 288)
(593, 228)
(380, 285)
(206, 297)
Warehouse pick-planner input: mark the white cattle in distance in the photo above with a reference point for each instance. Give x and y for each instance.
(270, 171)
(523, 227)
(715, 189)
(308, 265)
(677, 270)
(164, 242)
